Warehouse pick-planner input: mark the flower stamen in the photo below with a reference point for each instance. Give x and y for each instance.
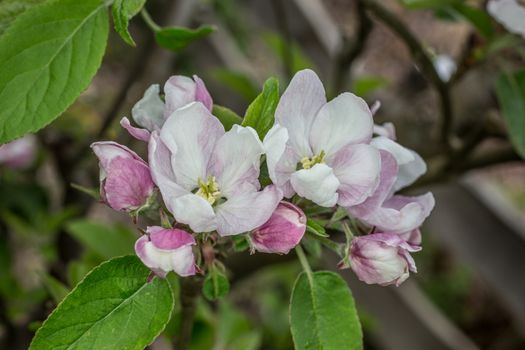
(209, 190)
(308, 163)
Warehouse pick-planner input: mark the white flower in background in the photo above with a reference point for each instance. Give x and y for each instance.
(445, 67)
(209, 178)
(509, 13)
(319, 149)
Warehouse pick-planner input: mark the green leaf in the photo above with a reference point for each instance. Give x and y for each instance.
(106, 241)
(216, 285)
(227, 117)
(48, 56)
(123, 11)
(260, 114)
(315, 228)
(114, 307)
(280, 46)
(238, 82)
(323, 313)
(510, 89)
(477, 17)
(177, 38)
(10, 9)
(425, 4)
(366, 85)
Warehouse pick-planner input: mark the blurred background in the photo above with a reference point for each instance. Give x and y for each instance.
(433, 67)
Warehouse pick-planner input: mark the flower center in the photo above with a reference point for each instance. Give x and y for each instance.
(209, 190)
(307, 163)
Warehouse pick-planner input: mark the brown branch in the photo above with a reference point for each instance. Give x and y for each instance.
(191, 288)
(351, 50)
(422, 57)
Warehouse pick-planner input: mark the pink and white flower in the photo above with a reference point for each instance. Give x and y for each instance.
(208, 178)
(164, 250)
(20, 153)
(319, 149)
(125, 180)
(282, 232)
(151, 112)
(389, 212)
(382, 258)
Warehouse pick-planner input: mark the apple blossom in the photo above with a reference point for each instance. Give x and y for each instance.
(282, 232)
(319, 149)
(164, 250)
(382, 258)
(510, 13)
(389, 212)
(151, 112)
(20, 153)
(125, 180)
(208, 178)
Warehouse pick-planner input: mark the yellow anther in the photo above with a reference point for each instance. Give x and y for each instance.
(209, 190)
(308, 163)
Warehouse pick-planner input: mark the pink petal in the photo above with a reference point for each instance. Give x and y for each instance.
(138, 133)
(164, 238)
(201, 93)
(357, 167)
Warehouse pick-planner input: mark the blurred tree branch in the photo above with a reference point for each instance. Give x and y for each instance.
(423, 58)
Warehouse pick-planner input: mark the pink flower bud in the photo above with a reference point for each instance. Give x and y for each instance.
(125, 180)
(382, 258)
(164, 250)
(282, 232)
(181, 90)
(20, 153)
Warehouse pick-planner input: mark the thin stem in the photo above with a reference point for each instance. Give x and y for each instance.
(423, 58)
(190, 291)
(149, 21)
(328, 243)
(304, 263)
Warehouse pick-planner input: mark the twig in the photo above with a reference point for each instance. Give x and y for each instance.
(351, 50)
(190, 291)
(425, 62)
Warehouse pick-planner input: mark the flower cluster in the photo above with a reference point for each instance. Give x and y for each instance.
(329, 153)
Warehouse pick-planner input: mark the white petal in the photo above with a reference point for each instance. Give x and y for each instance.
(190, 134)
(280, 158)
(510, 13)
(344, 120)
(317, 184)
(194, 211)
(183, 261)
(179, 91)
(159, 159)
(236, 161)
(247, 211)
(149, 111)
(411, 165)
(297, 108)
(357, 167)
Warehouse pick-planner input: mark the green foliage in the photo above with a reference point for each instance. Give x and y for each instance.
(315, 228)
(10, 9)
(114, 307)
(177, 38)
(510, 89)
(456, 9)
(216, 285)
(56, 289)
(106, 241)
(323, 313)
(227, 117)
(123, 11)
(365, 85)
(238, 82)
(299, 59)
(260, 114)
(48, 56)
